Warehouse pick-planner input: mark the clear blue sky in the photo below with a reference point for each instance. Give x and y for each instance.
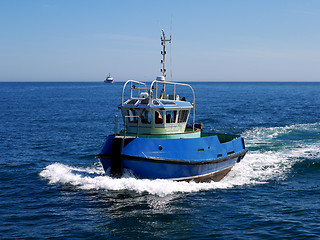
(217, 40)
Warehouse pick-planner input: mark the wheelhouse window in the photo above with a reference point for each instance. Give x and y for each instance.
(145, 116)
(132, 102)
(171, 116)
(183, 116)
(158, 117)
(168, 103)
(132, 113)
(144, 102)
(155, 102)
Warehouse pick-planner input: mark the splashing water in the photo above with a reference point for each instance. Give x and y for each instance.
(258, 167)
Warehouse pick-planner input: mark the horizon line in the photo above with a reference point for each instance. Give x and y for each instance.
(214, 81)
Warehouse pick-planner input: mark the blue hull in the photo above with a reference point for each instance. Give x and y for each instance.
(198, 159)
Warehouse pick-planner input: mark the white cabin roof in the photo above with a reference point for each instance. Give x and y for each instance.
(156, 103)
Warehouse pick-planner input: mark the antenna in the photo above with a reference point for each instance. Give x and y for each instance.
(171, 49)
(163, 53)
(163, 62)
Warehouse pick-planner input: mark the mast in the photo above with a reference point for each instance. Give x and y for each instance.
(163, 61)
(163, 52)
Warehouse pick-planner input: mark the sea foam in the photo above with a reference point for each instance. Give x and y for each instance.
(258, 167)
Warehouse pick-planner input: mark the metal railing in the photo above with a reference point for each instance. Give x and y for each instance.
(132, 87)
(152, 88)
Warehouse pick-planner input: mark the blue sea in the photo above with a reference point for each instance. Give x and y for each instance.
(52, 186)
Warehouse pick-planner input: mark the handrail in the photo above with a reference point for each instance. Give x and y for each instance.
(116, 125)
(131, 81)
(156, 88)
(181, 84)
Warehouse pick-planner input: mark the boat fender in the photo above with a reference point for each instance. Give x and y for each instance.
(116, 160)
(244, 146)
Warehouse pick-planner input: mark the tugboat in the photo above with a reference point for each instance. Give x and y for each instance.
(109, 79)
(156, 142)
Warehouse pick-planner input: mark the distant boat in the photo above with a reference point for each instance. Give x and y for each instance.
(109, 79)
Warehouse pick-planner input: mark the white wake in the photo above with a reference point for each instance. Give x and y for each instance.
(258, 167)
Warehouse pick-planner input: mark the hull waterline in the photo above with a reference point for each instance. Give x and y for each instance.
(154, 164)
(214, 170)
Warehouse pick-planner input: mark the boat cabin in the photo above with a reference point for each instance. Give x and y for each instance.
(150, 114)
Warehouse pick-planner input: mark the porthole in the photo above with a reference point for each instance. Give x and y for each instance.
(160, 147)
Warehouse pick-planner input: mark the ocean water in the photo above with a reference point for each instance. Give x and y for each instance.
(52, 186)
